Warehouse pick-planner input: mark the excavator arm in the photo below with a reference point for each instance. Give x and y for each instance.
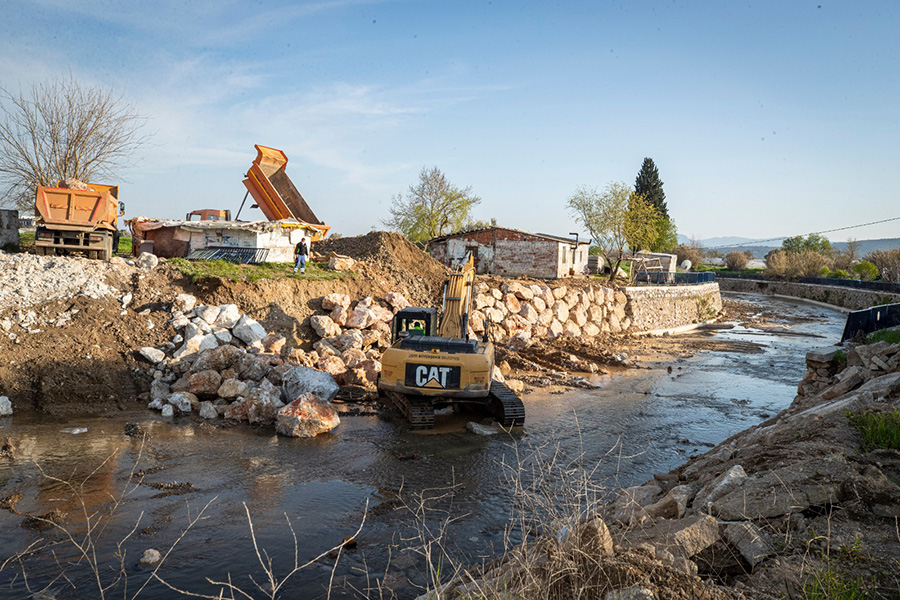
(458, 300)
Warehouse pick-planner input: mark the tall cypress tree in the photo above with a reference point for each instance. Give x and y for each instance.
(648, 185)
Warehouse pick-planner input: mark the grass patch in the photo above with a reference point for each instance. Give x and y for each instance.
(834, 585)
(891, 336)
(124, 248)
(198, 270)
(878, 429)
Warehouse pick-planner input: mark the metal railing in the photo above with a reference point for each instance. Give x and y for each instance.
(236, 255)
(867, 320)
(878, 286)
(664, 278)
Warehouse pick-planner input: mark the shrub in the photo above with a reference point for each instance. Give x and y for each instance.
(839, 274)
(691, 253)
(866, 270)
(736, 261)
(824, 272)
(887, 262)
(781, 264)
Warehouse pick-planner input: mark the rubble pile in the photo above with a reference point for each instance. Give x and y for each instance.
(521, 313)
(224, 364)
(27, 280)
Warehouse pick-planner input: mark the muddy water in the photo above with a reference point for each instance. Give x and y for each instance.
(638, 423)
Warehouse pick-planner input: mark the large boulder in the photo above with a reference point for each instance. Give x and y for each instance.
(204, 384)
(183, 401)
(196, 344)
(307, 416)
(232, 388)
(324, 326)
(248, 330)
(301, 380)
(184, 303)
(208, 313)
(217, 359)
(152, 355)
(332, 301)
(361, 317)
(147, 261)
(228, 316)
(397, 301)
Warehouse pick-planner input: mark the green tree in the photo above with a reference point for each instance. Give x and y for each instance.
(812, 243)
(61, 129)
(648, 185)
(615, 218)
(431, 208)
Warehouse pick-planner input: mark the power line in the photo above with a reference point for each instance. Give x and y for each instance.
(757, 242)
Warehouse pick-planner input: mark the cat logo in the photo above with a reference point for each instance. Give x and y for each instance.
(432, 376)
(425, 375)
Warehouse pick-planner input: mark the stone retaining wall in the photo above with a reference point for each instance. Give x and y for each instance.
(844, 297)
(664, 307)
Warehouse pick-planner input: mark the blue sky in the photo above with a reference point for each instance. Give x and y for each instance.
(764, 118)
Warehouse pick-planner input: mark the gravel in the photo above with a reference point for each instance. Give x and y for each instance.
(27, 279)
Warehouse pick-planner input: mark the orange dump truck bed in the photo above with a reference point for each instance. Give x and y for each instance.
(96, 208)
(275, 193)
(77, 220)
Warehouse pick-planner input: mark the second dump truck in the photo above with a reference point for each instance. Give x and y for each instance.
(78, 220)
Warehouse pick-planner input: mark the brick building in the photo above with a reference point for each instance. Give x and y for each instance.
(513, 253)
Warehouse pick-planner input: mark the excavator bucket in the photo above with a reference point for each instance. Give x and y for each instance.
(275, 193)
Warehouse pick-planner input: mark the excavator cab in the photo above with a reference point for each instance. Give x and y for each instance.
(413, 321)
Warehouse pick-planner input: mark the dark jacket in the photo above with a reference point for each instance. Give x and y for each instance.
(301, 249)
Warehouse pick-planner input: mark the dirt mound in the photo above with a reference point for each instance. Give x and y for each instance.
(392, 256)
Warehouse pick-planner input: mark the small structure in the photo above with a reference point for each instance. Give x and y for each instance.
(27, 220)
(240, 241)
(513, 253)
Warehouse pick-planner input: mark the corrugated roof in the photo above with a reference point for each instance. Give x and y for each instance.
(554, 238)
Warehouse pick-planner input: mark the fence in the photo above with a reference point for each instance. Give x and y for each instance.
(664, 278)
(878, 286)
(871, 319)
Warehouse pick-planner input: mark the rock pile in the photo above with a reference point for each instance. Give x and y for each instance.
(352, 337)
(224, 364)
(520, 313)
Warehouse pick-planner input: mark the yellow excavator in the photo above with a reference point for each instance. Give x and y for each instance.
(433, 363)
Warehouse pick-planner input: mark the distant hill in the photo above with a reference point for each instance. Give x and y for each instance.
(729, 243)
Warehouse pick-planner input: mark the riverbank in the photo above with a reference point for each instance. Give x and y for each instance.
(803, 505)
(640, 421)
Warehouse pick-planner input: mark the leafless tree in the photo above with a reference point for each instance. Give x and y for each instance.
(60, 129)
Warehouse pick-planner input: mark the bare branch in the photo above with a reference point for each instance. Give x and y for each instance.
(60, 129)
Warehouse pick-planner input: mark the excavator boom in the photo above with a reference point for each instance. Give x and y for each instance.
(458, 300)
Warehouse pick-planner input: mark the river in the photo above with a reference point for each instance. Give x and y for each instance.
(640, 422)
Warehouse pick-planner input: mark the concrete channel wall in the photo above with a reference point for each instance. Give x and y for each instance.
(844, 297)
(652, 308)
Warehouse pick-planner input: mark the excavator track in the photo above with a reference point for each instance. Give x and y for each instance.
(506, 406)
(418, 410)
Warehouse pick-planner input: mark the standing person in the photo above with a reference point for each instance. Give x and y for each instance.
(301, 251)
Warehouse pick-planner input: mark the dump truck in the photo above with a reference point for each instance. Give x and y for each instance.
(276, 195)
(432, 362)
(78, 220)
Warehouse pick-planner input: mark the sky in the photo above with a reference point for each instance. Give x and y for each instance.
(765, 119)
